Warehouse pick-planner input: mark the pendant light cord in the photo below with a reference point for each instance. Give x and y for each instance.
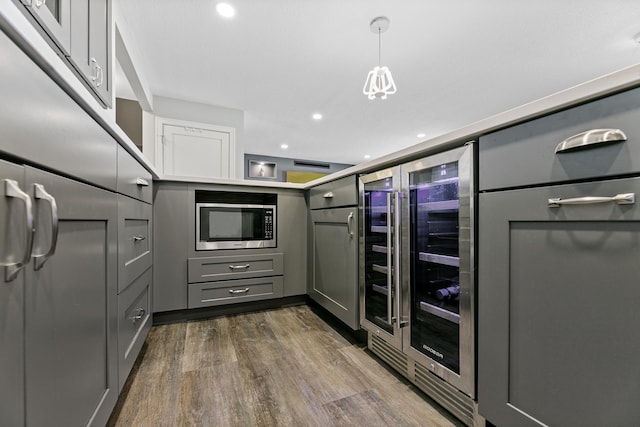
(379, 46)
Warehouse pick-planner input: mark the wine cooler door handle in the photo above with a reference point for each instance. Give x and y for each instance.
(396, 254)
(621, 199)
(591, 138)
(349, 224)
(390, 251)
(12, 189)
(41, 194)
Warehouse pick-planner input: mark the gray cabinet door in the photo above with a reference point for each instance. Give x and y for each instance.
(55, 17)
(12, 218)
(90, 44)
(558, 307)
(334, 283)
(70, 310)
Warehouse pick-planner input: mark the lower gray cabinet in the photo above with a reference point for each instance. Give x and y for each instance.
(558, 306)
(12, 246)
(234, 291)
(70, 306)
(334, 251)
(134, 322)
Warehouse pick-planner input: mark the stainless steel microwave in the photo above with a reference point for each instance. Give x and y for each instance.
(235, 226)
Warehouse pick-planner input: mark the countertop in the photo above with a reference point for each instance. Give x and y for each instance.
(16, 25)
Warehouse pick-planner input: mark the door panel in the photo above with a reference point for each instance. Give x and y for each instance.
(189, 151)
(12, 217)
(558, 307)
(335, 268)
(71, 353)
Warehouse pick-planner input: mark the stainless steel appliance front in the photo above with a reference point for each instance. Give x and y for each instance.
(416, 262)
(235, 226)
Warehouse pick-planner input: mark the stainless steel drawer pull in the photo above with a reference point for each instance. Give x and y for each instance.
(621, 199)
(239, 291)
(142, 182)
(137, 239)
(139, 315)
(591, 138)
(12, 189)
(328, 195)
(41, 194)
(239, 267)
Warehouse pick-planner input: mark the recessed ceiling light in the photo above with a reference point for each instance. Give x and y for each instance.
(367, 156)
(421, 135)
(316, 116)
(284, 146)
(225, 10)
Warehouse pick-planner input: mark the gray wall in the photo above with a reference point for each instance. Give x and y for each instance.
(129, 118)
(285, 164)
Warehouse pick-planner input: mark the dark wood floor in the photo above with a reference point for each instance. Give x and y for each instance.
(284, 367)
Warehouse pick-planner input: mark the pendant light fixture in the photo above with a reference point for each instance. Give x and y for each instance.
(379, 81)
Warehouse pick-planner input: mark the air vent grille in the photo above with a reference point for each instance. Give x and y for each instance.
(456, 402)
(390, 355)
(309, 164)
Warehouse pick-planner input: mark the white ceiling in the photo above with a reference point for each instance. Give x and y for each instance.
(454, 62)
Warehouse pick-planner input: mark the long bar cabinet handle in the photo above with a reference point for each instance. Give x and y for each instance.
(12, 189)
(396, 253)
(591, 138)
(349, 226)
(239, 267)
(239, 291)
(39, 193)
(389, 261)
(621, 199)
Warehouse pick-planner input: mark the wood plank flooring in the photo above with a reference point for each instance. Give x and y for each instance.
(284, 367)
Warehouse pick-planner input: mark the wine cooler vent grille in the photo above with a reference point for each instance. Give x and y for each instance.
(456, 402)
(390, 355)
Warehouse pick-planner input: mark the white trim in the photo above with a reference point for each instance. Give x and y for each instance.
(161, 121)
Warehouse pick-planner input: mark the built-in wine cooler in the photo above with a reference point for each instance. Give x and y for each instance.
(417, 273)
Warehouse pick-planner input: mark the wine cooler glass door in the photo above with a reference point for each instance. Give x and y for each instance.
(378, 255)
(439, 262)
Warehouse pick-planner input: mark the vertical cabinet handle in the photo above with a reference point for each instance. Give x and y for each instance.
(12, 189)
(40, 3)
(390, 251)
(349, 224)
(396, 253)
(39, 193)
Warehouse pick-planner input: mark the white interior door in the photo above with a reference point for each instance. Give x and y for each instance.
(197, 150)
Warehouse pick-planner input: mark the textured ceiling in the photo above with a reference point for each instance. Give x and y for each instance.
(454, 62)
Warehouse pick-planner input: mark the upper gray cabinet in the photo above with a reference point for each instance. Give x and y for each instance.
(81, 30)
(89, 51)
(54, 16)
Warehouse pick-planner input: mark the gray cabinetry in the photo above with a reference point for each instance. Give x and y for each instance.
(234, 291)
(558, 246)
(133, 179)
(171, 233)
(13, 244)
(134, 240)
(341, 192)
(334, 251)
(70, 302)
(90, 41)
(54, 16)
(134, 322)
(235, 267)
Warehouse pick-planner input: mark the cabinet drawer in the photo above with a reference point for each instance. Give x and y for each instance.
(134, 323)
(234, 267)
(342, 192)
(525, 154)
(134, 240)
(234, 291)
(133, 179)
